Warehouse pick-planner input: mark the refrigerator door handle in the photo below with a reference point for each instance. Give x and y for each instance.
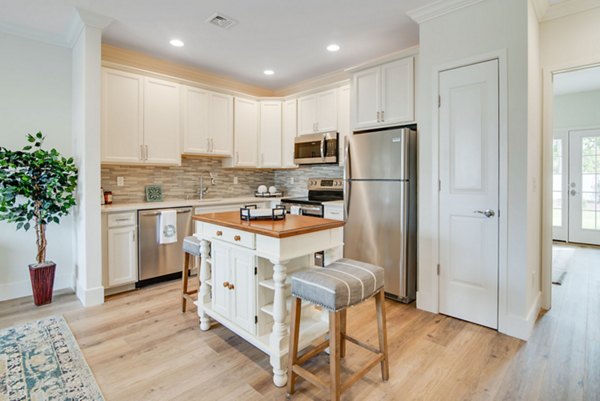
(347, 184)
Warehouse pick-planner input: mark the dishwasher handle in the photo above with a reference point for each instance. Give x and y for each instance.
(157, 213)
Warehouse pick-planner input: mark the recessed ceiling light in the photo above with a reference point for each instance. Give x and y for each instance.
(176, 43)
(333, 47)
(269, 72)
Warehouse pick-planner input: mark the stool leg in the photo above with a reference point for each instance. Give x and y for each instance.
(343, 333)
(382, 333)
(334, 355)
(294, 336)
(184, 274)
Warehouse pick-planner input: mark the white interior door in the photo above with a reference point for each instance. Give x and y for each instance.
(584, 186)
(468, 199)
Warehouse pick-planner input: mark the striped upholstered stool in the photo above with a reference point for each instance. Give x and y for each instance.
(336, 287)
(191, 247)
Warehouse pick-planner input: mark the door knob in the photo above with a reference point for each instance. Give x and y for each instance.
(487, 213)
(226, 284)
(573, 192)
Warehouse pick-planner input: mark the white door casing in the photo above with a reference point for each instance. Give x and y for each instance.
(584, 187)
(469, 175)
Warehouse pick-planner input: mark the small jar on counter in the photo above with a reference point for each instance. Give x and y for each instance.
(108, 197)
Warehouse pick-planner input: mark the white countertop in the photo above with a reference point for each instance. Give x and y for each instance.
(125, 207)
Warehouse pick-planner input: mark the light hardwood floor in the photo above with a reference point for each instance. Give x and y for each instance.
(141, 347)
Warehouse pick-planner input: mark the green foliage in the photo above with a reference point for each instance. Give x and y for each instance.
(37, 187)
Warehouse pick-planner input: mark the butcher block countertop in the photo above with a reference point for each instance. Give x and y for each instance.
(290, 226)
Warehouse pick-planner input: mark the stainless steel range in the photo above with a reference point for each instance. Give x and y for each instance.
(319, 190)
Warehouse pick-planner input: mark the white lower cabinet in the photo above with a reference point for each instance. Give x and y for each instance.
(121, 250)
(234, 284)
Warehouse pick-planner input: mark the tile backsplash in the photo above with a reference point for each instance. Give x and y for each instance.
(183, 182)
(301, 176)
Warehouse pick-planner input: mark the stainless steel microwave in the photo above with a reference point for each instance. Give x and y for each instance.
(316, 148)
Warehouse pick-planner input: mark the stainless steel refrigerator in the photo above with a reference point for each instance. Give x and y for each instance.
(380, 195)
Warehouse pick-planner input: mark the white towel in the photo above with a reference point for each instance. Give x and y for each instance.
(167, 229)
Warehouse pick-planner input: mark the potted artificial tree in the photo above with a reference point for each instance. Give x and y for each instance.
(37, 188)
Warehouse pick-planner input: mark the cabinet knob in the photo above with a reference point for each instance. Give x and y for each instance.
(226, 284)
(219, 233)
(237, 238)
(231, 286)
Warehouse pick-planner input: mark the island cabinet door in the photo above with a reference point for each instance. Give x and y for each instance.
(243, 300)
(220, 274)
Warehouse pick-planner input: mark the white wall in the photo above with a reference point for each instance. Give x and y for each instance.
(489, 26)
(35, 95)
(534, 164)
(577, 110)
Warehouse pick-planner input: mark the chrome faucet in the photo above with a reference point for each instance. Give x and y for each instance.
(203, 190)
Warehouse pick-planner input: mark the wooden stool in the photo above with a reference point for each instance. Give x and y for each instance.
(342, 284)
(191, 247)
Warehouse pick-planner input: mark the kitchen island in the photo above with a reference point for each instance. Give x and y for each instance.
(243, 277)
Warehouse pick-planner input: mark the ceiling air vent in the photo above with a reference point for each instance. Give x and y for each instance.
(221, 21)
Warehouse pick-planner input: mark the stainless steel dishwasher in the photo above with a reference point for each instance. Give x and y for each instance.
(156, 261)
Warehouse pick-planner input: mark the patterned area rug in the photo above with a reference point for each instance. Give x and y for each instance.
(41, 361)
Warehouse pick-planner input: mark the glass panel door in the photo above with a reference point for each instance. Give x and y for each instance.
(584, 186)
(559, 187)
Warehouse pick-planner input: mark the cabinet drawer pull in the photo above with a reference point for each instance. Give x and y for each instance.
(231, 286)
(237, 238)
(226, 284)
(123, 219)
(219, 233)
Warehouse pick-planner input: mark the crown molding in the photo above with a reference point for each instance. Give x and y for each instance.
(438, 9)
(541, 8)
(569, 7)
(81, 19)
(38, 36)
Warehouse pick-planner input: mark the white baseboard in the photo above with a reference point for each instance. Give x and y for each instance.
(20, 289)
(424, 302)
(522, 327)
(90, 296)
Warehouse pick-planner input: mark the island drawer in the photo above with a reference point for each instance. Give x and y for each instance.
(231, 235)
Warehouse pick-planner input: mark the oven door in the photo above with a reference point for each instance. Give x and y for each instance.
(316, 149)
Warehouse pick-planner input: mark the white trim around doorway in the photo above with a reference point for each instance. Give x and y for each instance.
(547, 138)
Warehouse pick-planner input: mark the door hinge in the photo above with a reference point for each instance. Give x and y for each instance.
(255, 270)
(439, 101)
(255, 319)
(438, 269)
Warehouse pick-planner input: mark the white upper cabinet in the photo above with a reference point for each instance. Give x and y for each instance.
(383, 95)
(343, 120)
(307, 115)
(317, 112)
(245, 129)
(207, 122)
(196, 139)
(161, 122)
(327, 111)
(220, 122)
(290, 128)
(269, 150)
(122, 117)
(140, 119)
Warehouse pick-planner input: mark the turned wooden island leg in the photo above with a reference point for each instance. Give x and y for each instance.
(204, 291)
(278, 342)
